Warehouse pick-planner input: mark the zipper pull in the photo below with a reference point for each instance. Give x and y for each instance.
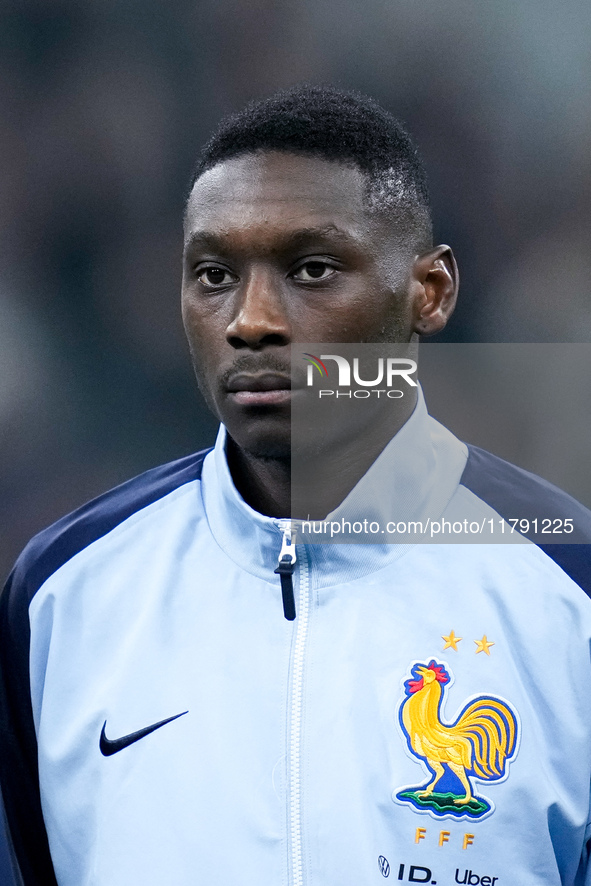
(285, 569)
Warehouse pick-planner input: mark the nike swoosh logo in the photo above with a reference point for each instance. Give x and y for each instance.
(113, 746)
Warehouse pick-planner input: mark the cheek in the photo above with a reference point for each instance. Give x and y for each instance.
(203, 328)
(333, 317)
(202, 357)
(192, 326)
(367, 317)
(203, 354)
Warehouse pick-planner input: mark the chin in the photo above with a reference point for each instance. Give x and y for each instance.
(263, 443)
(270, 451)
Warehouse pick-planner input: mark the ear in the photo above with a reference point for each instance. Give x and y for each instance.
(435, 282)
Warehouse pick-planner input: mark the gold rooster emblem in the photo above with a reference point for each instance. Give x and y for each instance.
(477, 746)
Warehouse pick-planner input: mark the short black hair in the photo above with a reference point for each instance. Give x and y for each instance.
(337, 125)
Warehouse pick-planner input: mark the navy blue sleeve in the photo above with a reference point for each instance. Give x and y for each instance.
(8, 867)
(44, 555)
(515, 493)
(18, 744)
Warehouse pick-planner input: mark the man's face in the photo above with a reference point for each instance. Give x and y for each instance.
(280, 248)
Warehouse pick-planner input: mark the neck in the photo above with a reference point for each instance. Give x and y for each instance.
(263, 483)
(313, 483)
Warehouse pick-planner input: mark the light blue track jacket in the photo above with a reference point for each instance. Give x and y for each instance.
(425, 718)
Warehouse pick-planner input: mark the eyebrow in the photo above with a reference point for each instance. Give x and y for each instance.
(301, 237)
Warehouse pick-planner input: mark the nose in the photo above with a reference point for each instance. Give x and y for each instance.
(260, 318)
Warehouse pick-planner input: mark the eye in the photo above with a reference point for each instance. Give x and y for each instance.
(214, 276)
(313, 271)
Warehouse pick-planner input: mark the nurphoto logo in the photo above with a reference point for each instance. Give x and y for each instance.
(389, 371)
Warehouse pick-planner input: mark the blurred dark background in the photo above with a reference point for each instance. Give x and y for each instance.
(103, 106)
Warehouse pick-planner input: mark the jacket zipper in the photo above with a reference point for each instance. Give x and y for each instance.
(297, 691)
(285, 569)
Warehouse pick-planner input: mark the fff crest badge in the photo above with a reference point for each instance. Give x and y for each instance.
(457, 754)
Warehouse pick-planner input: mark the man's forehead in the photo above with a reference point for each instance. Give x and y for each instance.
(288, 189)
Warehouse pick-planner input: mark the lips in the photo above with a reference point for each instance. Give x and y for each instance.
(260, 389)
(264, 381)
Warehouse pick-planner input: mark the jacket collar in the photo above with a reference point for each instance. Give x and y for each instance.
(414, 478)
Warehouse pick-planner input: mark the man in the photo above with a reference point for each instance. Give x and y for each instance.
(163, 722)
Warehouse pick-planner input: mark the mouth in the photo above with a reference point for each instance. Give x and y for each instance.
(260, 389)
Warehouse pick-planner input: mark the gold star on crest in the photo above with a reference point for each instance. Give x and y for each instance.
(483, 645)
(451, 642)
